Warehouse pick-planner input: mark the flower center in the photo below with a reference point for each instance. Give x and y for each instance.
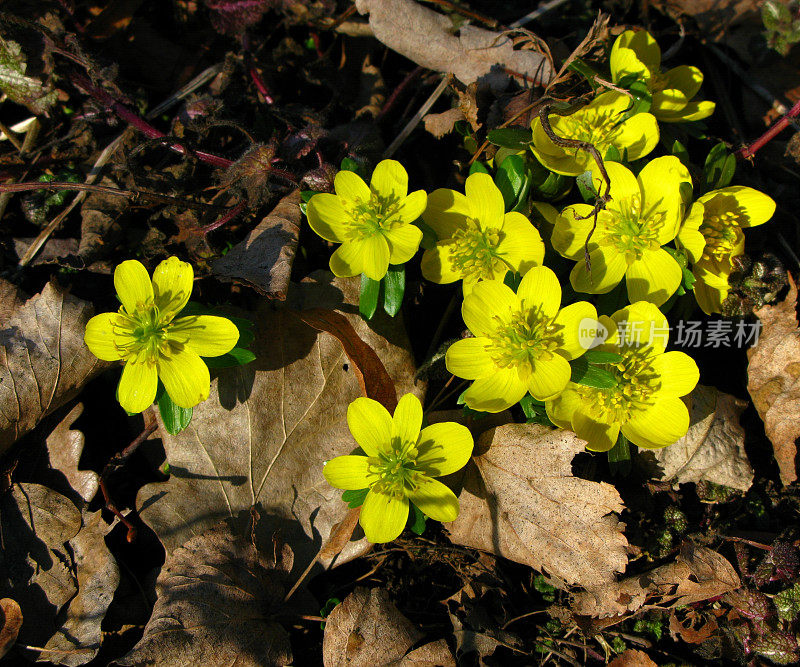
(373, 216)
(630, 233)
(530, 335)
(636, 384)
(590, 125)
(722, 235)
(396, 470)
(144, 333)
(474, 252)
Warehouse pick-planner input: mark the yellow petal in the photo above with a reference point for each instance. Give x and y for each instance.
(624, 186)
(571, 323)
(351, 187)
(685, 78)
(748, 206)
(709, 296)
(488, 301)
(100, 337)
(662, 424)
(375, 255)
(349, 473)
(639, 135)
(540, 290)
(132, 284)
(434, 499)
(692, 111)
(555, 158)
(520, 243)
(390, 179)
(549, 377)
(208, 335)
(669, 100)
(607, 105)
(383, 516)
(643, 44)
(137, 386)
(173, 281)
(497, 392)
(562, 408)
(185, 377)
(348, 259)
(665, 182)
(607, 269)
(446, 212)
(485, 200)
(572, 228)
(411, 207)
(371, 425)
(407, 420)
(403, 243)
(469, 359)
(443, 448)
(600, 436)
(678, 372)
(327, 217)
(689, 236)
(624, 62)
(644, 325)
(437, 263)
(654, 278)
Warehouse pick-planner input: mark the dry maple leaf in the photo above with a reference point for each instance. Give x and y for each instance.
(772, 379)
(521, 501)
(713, 448)
(262, 436)
(367, 629)
(43, 360)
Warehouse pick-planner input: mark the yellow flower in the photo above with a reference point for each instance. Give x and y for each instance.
(638, 53)
(645, 403)
(477, 240)
(153, 344)
(712, 235)
(373, 223)
(400, 464)
(644, 214)
(599, 124)
(523, 342)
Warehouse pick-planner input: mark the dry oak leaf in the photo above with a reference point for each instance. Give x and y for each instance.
(367, 629)
(427, 38)
(43, 360)
(263, 434)
(64, 449)
(521, 501)
(696, 575)
(10, 623)
(217, 596)
(264, 259)
(772, 379)
(713, 448)
(632, 658)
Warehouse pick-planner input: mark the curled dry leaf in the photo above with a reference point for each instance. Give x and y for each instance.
(427, 38)
(264, 259)
(713, 448)
(439, 124)
(261, 437)
(772, 379)
(521, 501)
(696, 575)
(43, 360)
(367, 629)
(64, 448)
(217, 596)
(10, 623)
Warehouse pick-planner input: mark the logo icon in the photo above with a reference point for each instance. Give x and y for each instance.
(591, 333)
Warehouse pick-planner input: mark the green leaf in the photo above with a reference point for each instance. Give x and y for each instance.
(586, 187)
(580, 66)
(238, 356)
(25, 90)
(512, 279)
(546, 184)
(511, 137)
(368, 298)
(602, 357)
(619, 457)
(478, 167)
(394, 286)
(417, 520)
(510, 179)
(612, 155)
(719, 168)
(355, 498)
(680, 152)
(349, 164)
(175, 418)
(590, 375)
(535, 412)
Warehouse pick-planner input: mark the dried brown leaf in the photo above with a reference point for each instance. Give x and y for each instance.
(632, 658)
(262, 436)
(772, 379)
(367, 629)
(264, 259)
(10, 623)
(217, 596)
(522, 502)
(696, 575)
(64, 447)
(43, 360)
(713, 448)
(427, 38)
(439, 124)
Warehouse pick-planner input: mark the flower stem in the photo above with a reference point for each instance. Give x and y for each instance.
(749, 151)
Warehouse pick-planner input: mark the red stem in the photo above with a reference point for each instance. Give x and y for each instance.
(413, 74)
(260, 85)
(230, 215)
(770, 134)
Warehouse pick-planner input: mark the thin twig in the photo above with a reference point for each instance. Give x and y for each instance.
(418, 116)
(413, 74)
(11, 136)
(748, 152)
(536, 13)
